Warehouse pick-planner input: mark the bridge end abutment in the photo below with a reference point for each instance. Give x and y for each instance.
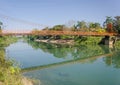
(108, 40)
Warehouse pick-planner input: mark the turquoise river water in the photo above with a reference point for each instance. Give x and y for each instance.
(53, 64)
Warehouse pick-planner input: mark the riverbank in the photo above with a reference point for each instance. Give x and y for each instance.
(70, 42)
(24, 81)
(77, 40)
(9, 73)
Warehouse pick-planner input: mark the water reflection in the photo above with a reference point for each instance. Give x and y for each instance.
(113, 60)
(63, 51)
(81, 54)
(99, 68)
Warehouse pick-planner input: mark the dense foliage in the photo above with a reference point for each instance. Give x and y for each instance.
(9, 73)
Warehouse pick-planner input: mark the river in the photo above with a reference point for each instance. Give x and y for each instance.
(53, 64)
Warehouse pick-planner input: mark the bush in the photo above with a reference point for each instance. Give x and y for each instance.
(88, 40)
(100, 30)
(9, 75)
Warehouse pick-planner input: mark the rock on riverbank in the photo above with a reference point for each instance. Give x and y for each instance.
(71, 42)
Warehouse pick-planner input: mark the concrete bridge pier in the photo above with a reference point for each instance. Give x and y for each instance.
(108, 40)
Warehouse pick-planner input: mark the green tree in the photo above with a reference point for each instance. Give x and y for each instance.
(46, 28)
(117, 24)
(107, 21)
(91, 25)
(108, 24)
(58, 27)
(97, 25)
(94, 26)
(81, 26)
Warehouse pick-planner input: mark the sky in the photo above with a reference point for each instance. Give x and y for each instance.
(54, 12)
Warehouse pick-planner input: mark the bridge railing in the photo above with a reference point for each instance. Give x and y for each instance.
(72, 33)
(51, 32)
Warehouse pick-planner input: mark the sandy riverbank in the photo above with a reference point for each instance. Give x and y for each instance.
(25, 81)
(1, 83)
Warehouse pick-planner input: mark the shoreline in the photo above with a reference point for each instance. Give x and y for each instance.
(25, 81)
(70, 42)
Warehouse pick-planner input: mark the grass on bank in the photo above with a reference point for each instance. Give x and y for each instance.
(9, 74)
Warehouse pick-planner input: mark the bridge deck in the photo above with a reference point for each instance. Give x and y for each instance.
(44, 33)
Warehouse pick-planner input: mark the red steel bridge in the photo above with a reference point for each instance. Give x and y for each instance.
(51, 32)
(21, 24)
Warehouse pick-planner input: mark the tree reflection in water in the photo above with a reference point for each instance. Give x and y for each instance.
(80, 52)
(113, 60)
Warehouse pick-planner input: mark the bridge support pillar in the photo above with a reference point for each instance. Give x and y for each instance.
(108, 40)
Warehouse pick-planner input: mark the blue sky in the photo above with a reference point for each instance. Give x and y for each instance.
(52, 12)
